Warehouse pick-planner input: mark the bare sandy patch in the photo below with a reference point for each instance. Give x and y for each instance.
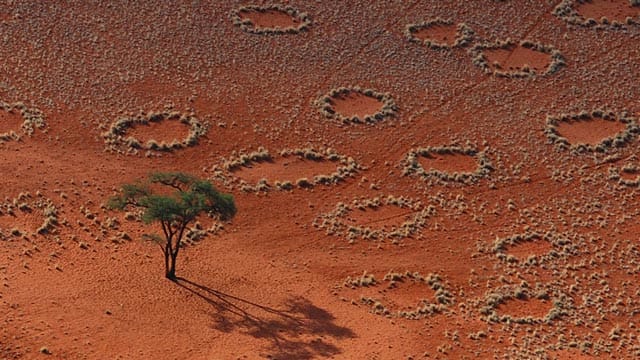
(618, 10)
(589, 131)
(517, 60)
(354, 104)
(523, 308)
(272, 19)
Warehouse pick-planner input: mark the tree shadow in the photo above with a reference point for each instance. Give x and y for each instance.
(300, 330)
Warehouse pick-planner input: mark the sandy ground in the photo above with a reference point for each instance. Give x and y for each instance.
(534, 257)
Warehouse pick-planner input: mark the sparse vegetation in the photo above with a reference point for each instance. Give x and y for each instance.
(117, 140)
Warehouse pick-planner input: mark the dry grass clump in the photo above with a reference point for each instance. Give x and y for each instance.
(562, 304)
(464, 34)
(248, 26)
(326, 105)
(628, 170)
(117, 140)
(562, 246)
(24, 205)
(619, 140)
(411, 164)
(32, 119)
(346, 167)
(480, 59)
(335, 222)
(567, 12)
(441, 301)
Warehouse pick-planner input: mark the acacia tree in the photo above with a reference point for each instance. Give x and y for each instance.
(174, 200)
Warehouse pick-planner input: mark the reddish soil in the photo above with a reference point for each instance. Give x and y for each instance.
(356, 104)
(161, 131)
(270, 19)
(10, 121)
(589, 131)
(516, 58)
(611, 9)
(449, 163)
(285, 169)
(268, 285)
(440, 34)
(25, 221)
(525, 249)
(405, 295)
(380, 217)
(517, 308)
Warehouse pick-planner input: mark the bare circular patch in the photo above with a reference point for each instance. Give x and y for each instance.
(27, 215)
(374, 219)
(448, 163)
(507, 59)
(272, 19)
(17, 120)
(440, 34)
(260, 171)
(357, 105)
(599, 13)
(591, 132)
(402, 295)
(134, 133)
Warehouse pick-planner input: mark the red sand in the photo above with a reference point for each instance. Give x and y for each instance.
(611, 9)
(10, 121)
(356, 104)
(440, 34)
(265, 286)
(270, 19)
(161, 131)
(589, 131)
(449, 163)
(517, 58)
(286, 169)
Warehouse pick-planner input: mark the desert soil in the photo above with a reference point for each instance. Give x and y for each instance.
(271, 283)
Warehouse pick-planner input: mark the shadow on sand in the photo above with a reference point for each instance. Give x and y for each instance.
(300, 330)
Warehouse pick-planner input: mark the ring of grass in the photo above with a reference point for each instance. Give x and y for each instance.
(411, 165)
(443, 297)
(347, 168)
(117, 140)
(566, 11)
(563, 246)
(334, 224)
(480, 60)
(325, 105)
(619, 140)
(248, 26)
(464, 34)
(32, 119)
(562, 304)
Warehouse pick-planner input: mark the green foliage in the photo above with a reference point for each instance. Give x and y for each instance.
(187, 198)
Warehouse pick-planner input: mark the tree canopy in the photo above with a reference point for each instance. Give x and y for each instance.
(173, 199)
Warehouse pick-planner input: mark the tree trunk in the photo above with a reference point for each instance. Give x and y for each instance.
(171, 269)
(169, 266)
